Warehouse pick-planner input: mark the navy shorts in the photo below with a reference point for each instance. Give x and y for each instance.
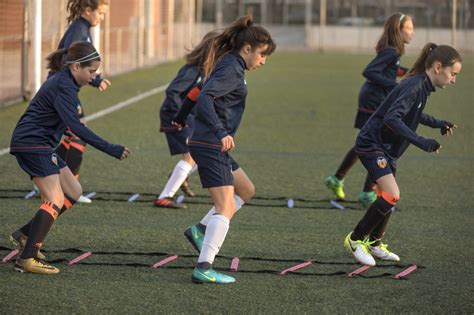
(215, 167)
(177, 141)
(378, 165)
(40, 164)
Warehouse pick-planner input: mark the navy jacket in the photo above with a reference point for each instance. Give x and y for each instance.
(381, 75)
(79, 30)
(52, 109)
(188, 77)
(221, 104)
(392, 127)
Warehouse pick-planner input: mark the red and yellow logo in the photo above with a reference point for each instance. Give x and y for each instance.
(382, 162)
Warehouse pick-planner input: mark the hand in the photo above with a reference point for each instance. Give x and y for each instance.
(227, 143)
(104, 84)
(448, 129)
(125, 153)
(431, 145)
(177, 124)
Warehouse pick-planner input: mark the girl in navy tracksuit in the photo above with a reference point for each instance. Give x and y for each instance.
(381, 74)
(219, 109)
(36, 135)
(385, 137)
(83, 14)
(182, 93)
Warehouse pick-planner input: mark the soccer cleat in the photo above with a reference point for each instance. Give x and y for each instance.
(359, 249)
(381, 252)
(168, 203)
(195, 237)
(367, 198)
(34, 265)
(19, 240)
(187, 189)
(84, 199)
(210, 276)
(336, 186)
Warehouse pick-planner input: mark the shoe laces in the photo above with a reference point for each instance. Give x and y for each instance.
(364, 245)
(383, 247)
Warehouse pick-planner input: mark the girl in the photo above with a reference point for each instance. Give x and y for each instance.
(183, 87)
(219, 109)
(83, 14)
(386, 136)
(36, 135)
(381, 74)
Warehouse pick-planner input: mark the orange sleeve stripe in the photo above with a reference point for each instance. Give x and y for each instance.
(194, 94)
(391, 199)
(65, 143)
(51, 208)
(78, 146)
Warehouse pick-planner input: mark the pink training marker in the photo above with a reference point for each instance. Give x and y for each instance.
(295, 267)
(164, 261)
(358, 271)
(10, 255)
(405, 272)
(234, 265)
(79, 258)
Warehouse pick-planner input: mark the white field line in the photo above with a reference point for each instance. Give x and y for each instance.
(114, 108)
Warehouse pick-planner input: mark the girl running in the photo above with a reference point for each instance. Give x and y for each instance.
(83, 14)
(386, 136)
(381, 74)
(38, 132)
(219, 109)
(182, 91)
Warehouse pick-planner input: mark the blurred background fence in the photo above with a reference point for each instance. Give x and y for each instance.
(140, 33)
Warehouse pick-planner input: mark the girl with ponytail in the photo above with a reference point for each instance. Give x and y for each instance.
(381, 74)
(83, 14)
(33, 143)
(386, 136)
(219, 109)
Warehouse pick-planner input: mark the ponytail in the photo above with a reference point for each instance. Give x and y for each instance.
(198, 55)
(432, 53)
(77, 7)
(82, 53)
(241, 32)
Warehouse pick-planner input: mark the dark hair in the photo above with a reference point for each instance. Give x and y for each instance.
(77, 7)
(234, 37)
(198, 55)
(391, 36)
(432, 53)
(83, 53)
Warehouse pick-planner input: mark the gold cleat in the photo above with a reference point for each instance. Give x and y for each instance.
(33, 265)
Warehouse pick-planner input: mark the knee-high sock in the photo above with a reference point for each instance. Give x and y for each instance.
(214, 238)
(379, 230)
(74, 155)
(68, 203)
(374, 215)
(40, 226)
(239, 202)
(179, 175)
(194, 169)
(349, 161)
(369, 184)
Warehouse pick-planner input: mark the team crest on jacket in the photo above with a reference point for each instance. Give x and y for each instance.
(382, 162)
(79, 109)
(54, 159)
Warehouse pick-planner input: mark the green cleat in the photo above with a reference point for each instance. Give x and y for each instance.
(210, 276)
(367, 198)
(360, 250)
(336, 186)
(195, 237)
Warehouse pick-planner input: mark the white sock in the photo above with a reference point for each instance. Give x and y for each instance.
(214, 238)
(195, 167)
(180, 173)
(238, 204)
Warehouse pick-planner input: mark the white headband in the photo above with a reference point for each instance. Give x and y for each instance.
(89, 57)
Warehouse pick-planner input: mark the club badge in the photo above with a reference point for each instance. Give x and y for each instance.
(54, 159)
(382, 162)
(79, 109)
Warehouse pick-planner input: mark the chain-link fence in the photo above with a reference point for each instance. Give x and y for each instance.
(138, 33)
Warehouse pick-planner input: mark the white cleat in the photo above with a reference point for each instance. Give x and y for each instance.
(83, 199)
(381, 252)
(359, 249)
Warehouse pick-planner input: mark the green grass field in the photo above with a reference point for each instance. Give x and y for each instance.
(296, 129)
